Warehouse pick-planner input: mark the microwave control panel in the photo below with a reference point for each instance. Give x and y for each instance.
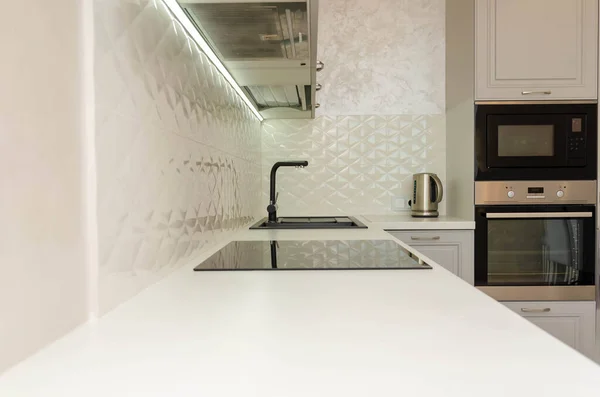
(535, 192)
(576, 138)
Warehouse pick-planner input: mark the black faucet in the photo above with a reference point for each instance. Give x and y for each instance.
(272, 207)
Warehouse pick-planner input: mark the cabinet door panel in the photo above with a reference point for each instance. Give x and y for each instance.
(528, 47)
(445, 255)
(565, 329)
(536, 49)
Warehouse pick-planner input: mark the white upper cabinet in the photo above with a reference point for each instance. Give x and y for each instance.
(536, 49)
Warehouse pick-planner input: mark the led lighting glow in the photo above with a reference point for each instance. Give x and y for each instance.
(178, 13)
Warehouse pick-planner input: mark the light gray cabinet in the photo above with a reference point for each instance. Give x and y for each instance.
(452, 249)
(571, 322)
(536, 49)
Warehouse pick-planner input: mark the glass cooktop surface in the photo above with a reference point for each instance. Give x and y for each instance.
(312, 255)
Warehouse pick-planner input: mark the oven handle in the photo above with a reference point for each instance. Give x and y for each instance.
(510, 215)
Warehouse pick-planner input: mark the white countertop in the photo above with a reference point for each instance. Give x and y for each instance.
(406, 222)
(307, 333)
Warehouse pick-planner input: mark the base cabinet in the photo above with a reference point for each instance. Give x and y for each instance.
(573, 323)
(452, 249)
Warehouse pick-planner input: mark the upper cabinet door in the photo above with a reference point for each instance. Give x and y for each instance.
(536, 49)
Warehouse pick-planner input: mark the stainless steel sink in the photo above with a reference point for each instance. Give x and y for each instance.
(311, 222)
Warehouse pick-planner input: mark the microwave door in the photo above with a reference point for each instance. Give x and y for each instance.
(535, 142)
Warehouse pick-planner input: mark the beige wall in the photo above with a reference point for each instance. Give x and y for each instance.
(42, 258)
(382, 57)
(459, 108)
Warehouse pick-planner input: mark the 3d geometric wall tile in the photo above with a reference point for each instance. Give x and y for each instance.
(356, 163)
(178, 152)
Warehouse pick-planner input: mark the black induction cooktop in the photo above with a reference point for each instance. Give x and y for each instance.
(312, 255)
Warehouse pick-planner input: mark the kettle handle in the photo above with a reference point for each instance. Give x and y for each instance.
(439, 189)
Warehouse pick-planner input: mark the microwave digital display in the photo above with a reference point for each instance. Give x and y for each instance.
(576, 124)
(535, 190)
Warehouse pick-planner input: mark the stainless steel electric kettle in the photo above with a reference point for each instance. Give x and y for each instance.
(427, 194)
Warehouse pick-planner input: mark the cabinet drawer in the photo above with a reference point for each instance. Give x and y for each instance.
(552, 308)
(573, 323)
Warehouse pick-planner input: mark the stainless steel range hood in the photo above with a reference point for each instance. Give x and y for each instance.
(269, 48)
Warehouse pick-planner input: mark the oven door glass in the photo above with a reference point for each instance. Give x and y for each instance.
(526, 141)
(538, 248)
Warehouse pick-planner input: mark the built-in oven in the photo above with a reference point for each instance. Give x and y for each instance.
(535, 240)
(536, 141)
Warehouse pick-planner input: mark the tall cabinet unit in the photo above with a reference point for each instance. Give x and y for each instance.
(542, 50)
(536, 49)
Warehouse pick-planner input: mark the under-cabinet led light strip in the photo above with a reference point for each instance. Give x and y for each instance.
(178, 14)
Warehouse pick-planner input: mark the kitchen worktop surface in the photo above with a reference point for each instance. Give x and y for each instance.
(312, 333)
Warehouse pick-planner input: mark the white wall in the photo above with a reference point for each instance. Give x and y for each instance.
(382, 110)
(42, 233)
(178, 152)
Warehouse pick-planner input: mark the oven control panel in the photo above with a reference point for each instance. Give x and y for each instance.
(535, 192)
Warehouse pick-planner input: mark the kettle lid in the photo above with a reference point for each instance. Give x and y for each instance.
(424, 173)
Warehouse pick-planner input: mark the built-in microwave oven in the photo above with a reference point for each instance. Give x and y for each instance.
(536, 141)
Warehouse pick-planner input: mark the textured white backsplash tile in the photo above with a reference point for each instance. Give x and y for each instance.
(178, 152)
(382, 110)
(382, 57)
(356, 163)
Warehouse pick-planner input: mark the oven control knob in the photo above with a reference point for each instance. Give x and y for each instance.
(560, 194)
(511, 194)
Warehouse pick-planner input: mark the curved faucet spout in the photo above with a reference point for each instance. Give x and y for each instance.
(272, 207)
